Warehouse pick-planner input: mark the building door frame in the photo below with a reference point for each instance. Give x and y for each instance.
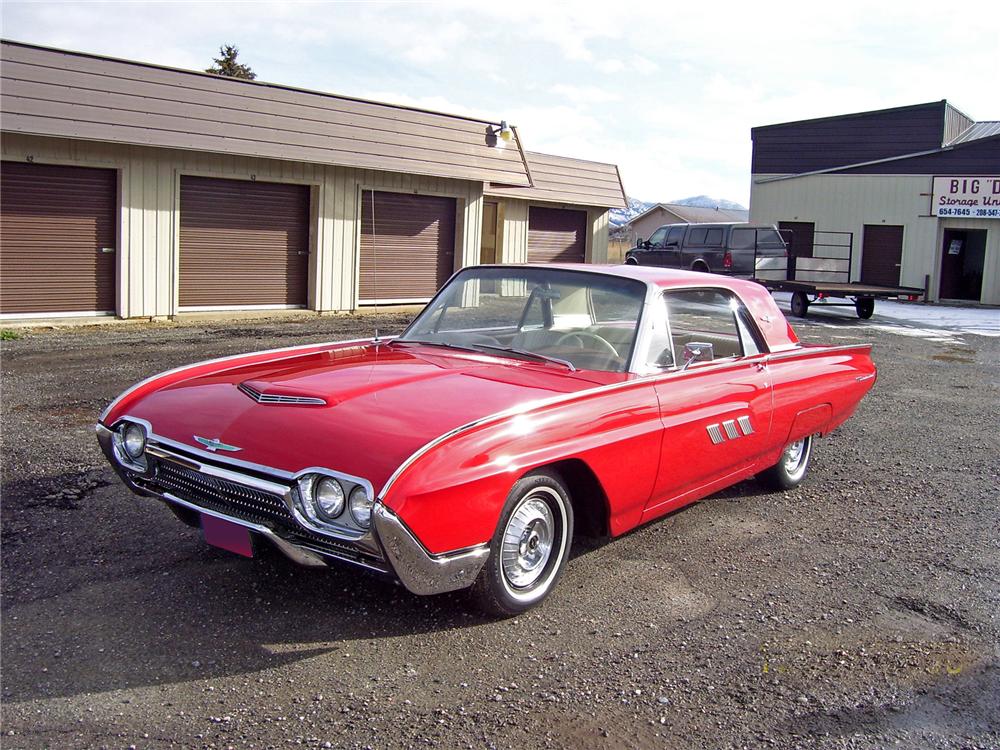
(961, 265)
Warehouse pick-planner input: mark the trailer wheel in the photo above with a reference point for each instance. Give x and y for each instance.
(800, 304)
(865, 307)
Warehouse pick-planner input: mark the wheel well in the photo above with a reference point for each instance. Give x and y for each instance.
(590, 502)
(700, 265)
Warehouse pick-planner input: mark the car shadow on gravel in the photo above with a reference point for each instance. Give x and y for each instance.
(145, 602)
(202, 613)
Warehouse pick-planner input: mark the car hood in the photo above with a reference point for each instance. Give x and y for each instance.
(381, 404)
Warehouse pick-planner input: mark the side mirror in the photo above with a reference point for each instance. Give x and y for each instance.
(697, 351)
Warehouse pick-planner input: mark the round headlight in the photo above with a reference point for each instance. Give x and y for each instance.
(134, 441)
(329, 497)
(361, 507)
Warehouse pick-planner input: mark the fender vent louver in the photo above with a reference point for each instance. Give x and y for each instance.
(270, 398)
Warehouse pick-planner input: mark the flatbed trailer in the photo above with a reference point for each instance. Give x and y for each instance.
(831, 257)
(861, 296)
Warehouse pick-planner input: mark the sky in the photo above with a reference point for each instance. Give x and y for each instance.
(667, 91)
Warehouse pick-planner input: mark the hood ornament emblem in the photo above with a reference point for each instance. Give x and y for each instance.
(214, 444)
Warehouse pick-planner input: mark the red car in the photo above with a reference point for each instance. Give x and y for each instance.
(524, 403)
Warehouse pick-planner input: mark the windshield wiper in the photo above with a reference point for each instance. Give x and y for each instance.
(480, 347)
(530, 355)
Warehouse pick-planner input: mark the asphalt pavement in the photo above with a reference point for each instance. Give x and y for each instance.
(859, 610)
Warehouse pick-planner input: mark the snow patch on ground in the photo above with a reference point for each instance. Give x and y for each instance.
(938, 323)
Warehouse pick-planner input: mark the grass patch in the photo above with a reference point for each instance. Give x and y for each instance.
(8, 335)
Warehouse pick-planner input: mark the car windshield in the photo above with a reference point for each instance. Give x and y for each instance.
(575, 319)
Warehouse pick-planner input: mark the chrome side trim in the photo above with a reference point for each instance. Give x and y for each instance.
(418, 570)
(231, 357)
(730, 427)
(745, 425)
(801, 350)
(863, 378)
(715, 434)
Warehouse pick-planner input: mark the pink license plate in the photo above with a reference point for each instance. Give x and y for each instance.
(227, 535)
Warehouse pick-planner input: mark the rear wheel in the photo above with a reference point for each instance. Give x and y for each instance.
(529, 548)
(800, 304)
(865, 307)
(792, 467)
(700, 266)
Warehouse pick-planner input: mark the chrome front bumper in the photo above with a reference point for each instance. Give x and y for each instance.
(391, 548)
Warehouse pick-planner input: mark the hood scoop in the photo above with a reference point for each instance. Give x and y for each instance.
(264, 395)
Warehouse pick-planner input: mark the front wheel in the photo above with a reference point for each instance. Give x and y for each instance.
(631, 262)
(792, 467)
(529, 548)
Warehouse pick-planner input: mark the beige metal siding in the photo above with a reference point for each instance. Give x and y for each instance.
(839, 202)
(55, 93)
(57, 239)
(407, 245)
(243, 243)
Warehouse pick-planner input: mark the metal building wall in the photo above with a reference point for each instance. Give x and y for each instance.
(149, 179)
(838, 202)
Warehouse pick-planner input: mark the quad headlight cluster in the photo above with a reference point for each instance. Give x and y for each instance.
(130, 446)
(324, 500)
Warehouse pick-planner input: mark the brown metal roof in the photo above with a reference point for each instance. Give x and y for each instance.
(559, 179)
(74, 95)
(695, 214)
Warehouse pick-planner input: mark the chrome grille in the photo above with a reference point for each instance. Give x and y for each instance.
(270, 398)
(223, 496)
(248, 504)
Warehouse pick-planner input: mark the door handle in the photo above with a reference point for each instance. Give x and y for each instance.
(106, 250)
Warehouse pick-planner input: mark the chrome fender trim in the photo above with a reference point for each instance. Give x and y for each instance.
(418, 570)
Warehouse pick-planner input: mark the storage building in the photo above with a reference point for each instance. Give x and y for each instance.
(138, 190)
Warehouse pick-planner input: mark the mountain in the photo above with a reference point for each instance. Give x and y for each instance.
(704, 201)
(620, 216)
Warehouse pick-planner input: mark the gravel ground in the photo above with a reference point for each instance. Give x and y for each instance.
(859, 610)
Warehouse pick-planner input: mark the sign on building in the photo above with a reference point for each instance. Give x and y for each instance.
(967, 197)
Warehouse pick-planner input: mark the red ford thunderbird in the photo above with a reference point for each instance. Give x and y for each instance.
(524, 403)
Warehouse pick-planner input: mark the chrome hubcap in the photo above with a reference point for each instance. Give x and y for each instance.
(793, 454)
(527, 543)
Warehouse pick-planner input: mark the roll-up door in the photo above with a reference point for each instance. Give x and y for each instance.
(243, 243)
(556, 235)
(57, 239)
(407, 246)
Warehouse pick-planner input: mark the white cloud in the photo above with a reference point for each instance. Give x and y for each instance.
(610, 66)
(663, 90)
(644, 65)
(584, 94)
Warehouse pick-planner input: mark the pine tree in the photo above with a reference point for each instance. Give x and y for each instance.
(226, 64)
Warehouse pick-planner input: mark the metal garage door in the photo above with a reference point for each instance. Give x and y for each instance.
(243, 243)
(881, 254)
(57, 239)
(556, 235)
(410, 252)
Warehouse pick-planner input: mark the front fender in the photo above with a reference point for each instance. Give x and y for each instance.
(451, 494)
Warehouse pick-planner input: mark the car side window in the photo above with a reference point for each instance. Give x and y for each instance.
(676, 235)
(707, 316)
(657, 237)
(743, 239)
(697, 236)
(713, 237)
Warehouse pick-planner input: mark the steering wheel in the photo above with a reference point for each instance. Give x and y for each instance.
(582, 337)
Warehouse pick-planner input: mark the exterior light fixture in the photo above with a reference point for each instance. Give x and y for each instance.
(504, 134)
